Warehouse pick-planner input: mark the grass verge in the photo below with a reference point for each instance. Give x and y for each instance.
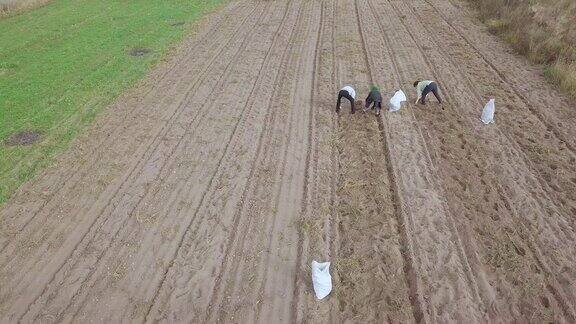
(62, 63)
(542, 30)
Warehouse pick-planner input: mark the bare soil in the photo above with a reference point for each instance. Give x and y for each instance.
(26, 137)
(204, 194)
(139, 51)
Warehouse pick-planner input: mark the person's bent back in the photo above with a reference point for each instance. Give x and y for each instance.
(423, 88)
(375, 99)
(349, 93)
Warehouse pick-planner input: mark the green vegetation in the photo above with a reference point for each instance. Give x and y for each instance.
(62, 63)
(542, 30)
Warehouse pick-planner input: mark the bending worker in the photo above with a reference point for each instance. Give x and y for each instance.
(423, 88)
(348, 93)
(375, 99)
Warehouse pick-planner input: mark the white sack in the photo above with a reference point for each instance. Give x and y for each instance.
(488, 112)
(396, 100)
(321, 279)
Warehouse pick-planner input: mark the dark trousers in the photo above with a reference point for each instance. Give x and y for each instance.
(432, 87)
(375, 104)
(345, 94)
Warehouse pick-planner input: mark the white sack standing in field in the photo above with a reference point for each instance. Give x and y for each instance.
(321, 279)
(396, 100)
(488, 112)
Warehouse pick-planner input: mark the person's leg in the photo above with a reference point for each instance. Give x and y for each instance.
(352, 103)
(367, 103)
(425, 92)
(339, 101)
(435, 91)
(378, 106)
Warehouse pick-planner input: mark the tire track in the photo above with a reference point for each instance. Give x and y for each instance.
(462, 250)
(140, 199)
(554, 192)
(334, 230)
(507, 203)
(290, 201)
(405, 245)
(363, 272)
(569, 144)
(153, 145)
(17, 207)
(315, 222)
(415, 292)
(74, 235)
(532, 242)
(334, 235)
(245, 113)
(259, 203)
(309, 165)
(335, 239)
(333, 220)
(275, 209)
(269, 115)
(477, 96)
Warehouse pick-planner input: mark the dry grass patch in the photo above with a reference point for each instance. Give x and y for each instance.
(12, 7)
(542, 30)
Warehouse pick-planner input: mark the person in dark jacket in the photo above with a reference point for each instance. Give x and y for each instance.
(423, 88)
(349, 93)
(375, 99)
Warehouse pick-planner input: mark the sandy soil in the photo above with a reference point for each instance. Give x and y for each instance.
(204, 194)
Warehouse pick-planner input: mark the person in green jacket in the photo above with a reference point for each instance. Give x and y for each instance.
(375, 99)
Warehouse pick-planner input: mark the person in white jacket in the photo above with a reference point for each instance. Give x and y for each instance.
(348, 93)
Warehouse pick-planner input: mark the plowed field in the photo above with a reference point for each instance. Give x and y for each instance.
(204, 194)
